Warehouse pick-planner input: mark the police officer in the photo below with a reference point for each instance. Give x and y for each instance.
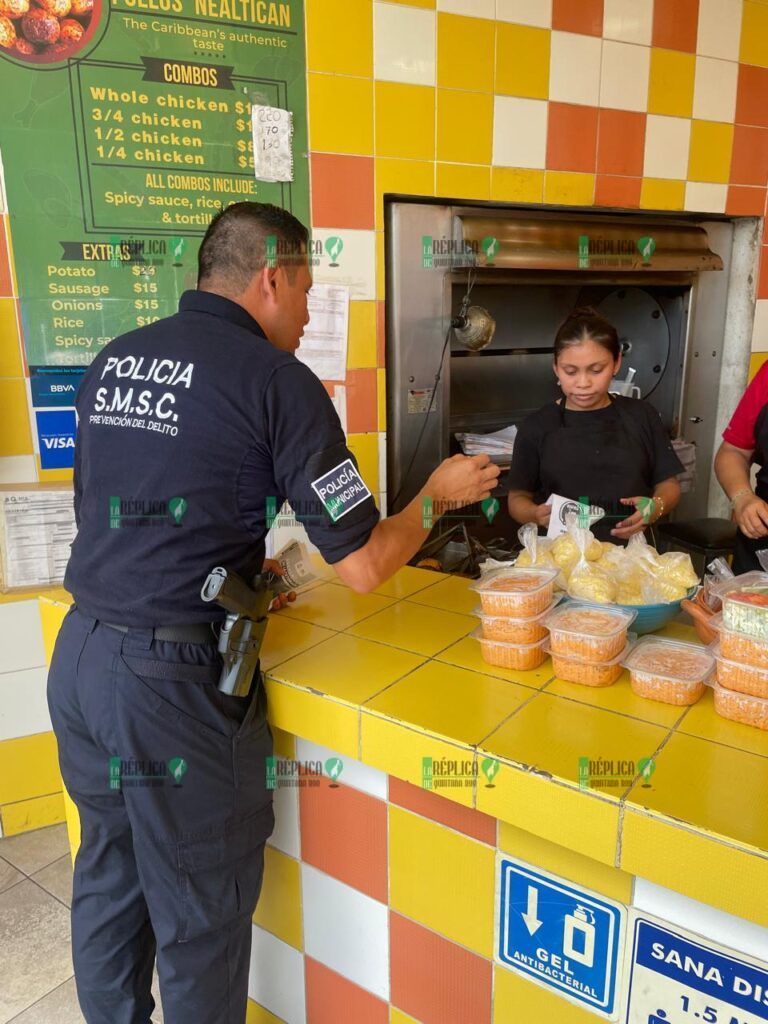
(186, 428)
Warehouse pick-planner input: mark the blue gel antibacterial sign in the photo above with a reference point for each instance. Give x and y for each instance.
(560, 935)
(680, 978)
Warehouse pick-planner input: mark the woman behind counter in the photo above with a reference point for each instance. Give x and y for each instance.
(745, 440)
(607, 448)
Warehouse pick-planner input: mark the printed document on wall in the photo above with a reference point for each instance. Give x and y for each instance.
(323, 345)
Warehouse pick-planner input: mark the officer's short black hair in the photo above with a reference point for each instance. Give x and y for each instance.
(242, 238)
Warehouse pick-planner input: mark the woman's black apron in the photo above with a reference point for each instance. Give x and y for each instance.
(744, 557)
(600, 461)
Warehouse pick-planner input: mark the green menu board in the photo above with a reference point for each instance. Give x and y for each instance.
(125, 127)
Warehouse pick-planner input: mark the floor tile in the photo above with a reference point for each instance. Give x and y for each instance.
(57, 879)
(467, 653)
(31, 851)
(450, 702)
(35, 940)
(60, 1006)
(9, 875)
(415, 627)
(335, 607)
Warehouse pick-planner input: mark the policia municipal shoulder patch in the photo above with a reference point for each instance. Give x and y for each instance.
(340, 489)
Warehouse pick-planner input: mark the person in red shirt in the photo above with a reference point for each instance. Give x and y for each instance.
(745, 440)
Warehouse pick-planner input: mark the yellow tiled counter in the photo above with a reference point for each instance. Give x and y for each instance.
(391, 678)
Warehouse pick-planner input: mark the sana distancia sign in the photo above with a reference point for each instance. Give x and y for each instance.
(125, 127)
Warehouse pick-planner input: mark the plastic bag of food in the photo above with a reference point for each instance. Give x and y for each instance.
(675, 567)
(586, 581)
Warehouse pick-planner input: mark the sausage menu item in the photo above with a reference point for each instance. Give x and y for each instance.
(592, 634)
(736, 675)
(522, 657)
(669, 671)
(521, 593)
(740, 707)
(512, 630)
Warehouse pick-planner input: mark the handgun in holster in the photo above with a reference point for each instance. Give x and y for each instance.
(242, 632)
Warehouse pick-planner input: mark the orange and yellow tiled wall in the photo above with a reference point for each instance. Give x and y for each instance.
(649, 104)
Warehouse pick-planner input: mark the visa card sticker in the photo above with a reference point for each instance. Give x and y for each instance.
(341, 489)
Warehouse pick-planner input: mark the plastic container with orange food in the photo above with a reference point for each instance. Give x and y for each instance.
(515, 631)
(590, 632)
(736, 675)
(587, 673)
(745, 603)
(741, 647)
(521, 593)
(741, 707)
(669, 671)
(522, 657)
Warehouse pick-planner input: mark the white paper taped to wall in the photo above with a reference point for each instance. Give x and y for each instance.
(323, 345)
(272, 131)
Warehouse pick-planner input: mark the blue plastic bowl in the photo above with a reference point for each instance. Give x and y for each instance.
(651, 617)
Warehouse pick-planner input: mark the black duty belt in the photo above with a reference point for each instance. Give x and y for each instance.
(194, 633)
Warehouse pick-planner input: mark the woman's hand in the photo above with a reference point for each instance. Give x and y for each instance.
(542, 515)
(280, 600)
(644, 515)
(751, 515)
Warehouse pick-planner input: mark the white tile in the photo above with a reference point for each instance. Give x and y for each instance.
(285, 837)
(346, 930)
(713, 924)
(404, 44)
(472, 8)
(719, 28)
(354, 773)
(356, 261)
(525, 12)
(630, 21)
(23, 704)
(714, 93)
(519, 132)
(705, 197)
(18, 469)
(574, 68)
(276, 978)
(21, 636)
(666, 146)
(624, 76)
(760, 328)
(382, 461)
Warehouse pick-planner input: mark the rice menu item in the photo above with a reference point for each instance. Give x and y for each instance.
(521, 593)
(741, 707)
(736, 675)
(522, 657)
(669, 671)
(589, 633)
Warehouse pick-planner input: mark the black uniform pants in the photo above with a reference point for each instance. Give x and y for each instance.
(169, 778)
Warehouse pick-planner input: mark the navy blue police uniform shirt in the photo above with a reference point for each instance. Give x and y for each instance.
(191, 432)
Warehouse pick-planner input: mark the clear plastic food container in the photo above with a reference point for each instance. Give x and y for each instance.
(669, 671)
(522, 657)
(515, 631)
(741, 647)
(735, 675)
(521, 593)
(745, 603)
(589, 632)
(741, 707)
(588, 673)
